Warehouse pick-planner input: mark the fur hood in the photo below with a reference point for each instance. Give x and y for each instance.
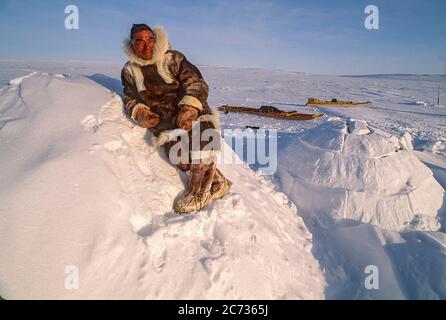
(161, 46)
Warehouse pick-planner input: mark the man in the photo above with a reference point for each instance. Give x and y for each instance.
(164, 92)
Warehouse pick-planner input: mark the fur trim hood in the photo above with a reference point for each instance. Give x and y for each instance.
(161, 46)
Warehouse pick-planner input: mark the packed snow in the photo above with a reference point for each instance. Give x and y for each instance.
(343, 170)
(82, 187)
(361, 187)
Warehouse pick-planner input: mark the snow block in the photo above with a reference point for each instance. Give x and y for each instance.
(349, 170)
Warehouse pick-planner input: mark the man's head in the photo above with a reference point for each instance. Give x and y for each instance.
(143, 41)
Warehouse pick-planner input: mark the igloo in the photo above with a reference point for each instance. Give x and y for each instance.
(344, 170)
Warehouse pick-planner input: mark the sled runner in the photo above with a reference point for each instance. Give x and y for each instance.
(313, 102)
(270, 111)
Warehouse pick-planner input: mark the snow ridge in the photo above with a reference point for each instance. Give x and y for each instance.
(83, 187)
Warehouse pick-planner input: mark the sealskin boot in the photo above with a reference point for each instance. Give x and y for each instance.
(220, 186)
(198, 194)
(206, 184)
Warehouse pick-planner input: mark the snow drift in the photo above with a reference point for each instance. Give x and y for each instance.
(348, 170)
(356, 186)
(82, 187)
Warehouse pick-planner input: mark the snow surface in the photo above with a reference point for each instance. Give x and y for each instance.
(347, 170)
(82, 186)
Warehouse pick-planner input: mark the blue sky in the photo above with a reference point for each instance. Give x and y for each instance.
(325, 37)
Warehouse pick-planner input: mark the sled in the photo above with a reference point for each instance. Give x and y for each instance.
(272, 112)
(313, 102)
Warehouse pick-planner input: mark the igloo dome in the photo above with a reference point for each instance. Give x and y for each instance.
(348, 170)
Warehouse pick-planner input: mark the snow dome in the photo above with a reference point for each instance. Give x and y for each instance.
(348, 170)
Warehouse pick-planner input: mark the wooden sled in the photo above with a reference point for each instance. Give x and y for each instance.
(272, 112)
(313, 102)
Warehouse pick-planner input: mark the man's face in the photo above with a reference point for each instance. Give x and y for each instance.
(143, 43)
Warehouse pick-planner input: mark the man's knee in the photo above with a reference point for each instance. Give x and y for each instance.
(183, 166)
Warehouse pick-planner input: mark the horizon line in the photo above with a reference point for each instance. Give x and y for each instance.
(232, 67)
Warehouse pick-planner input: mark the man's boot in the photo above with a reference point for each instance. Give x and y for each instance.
(220, 186)
(198, 194)
(206, 183)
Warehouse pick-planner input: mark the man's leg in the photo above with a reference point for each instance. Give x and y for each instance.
(201, 178)
(206, 182)
(198, 193)
(182, 166)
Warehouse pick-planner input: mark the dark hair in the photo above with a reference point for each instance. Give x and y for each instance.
(139, 27)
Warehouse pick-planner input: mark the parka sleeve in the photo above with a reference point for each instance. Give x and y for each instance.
(131, 96)
(195, 87)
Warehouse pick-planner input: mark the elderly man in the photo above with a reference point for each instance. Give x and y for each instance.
(164, 92)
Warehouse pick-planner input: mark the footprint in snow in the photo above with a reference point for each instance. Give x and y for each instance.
(91, 123)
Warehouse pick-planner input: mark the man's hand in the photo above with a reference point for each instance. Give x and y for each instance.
(144, 116)
(186, 116)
